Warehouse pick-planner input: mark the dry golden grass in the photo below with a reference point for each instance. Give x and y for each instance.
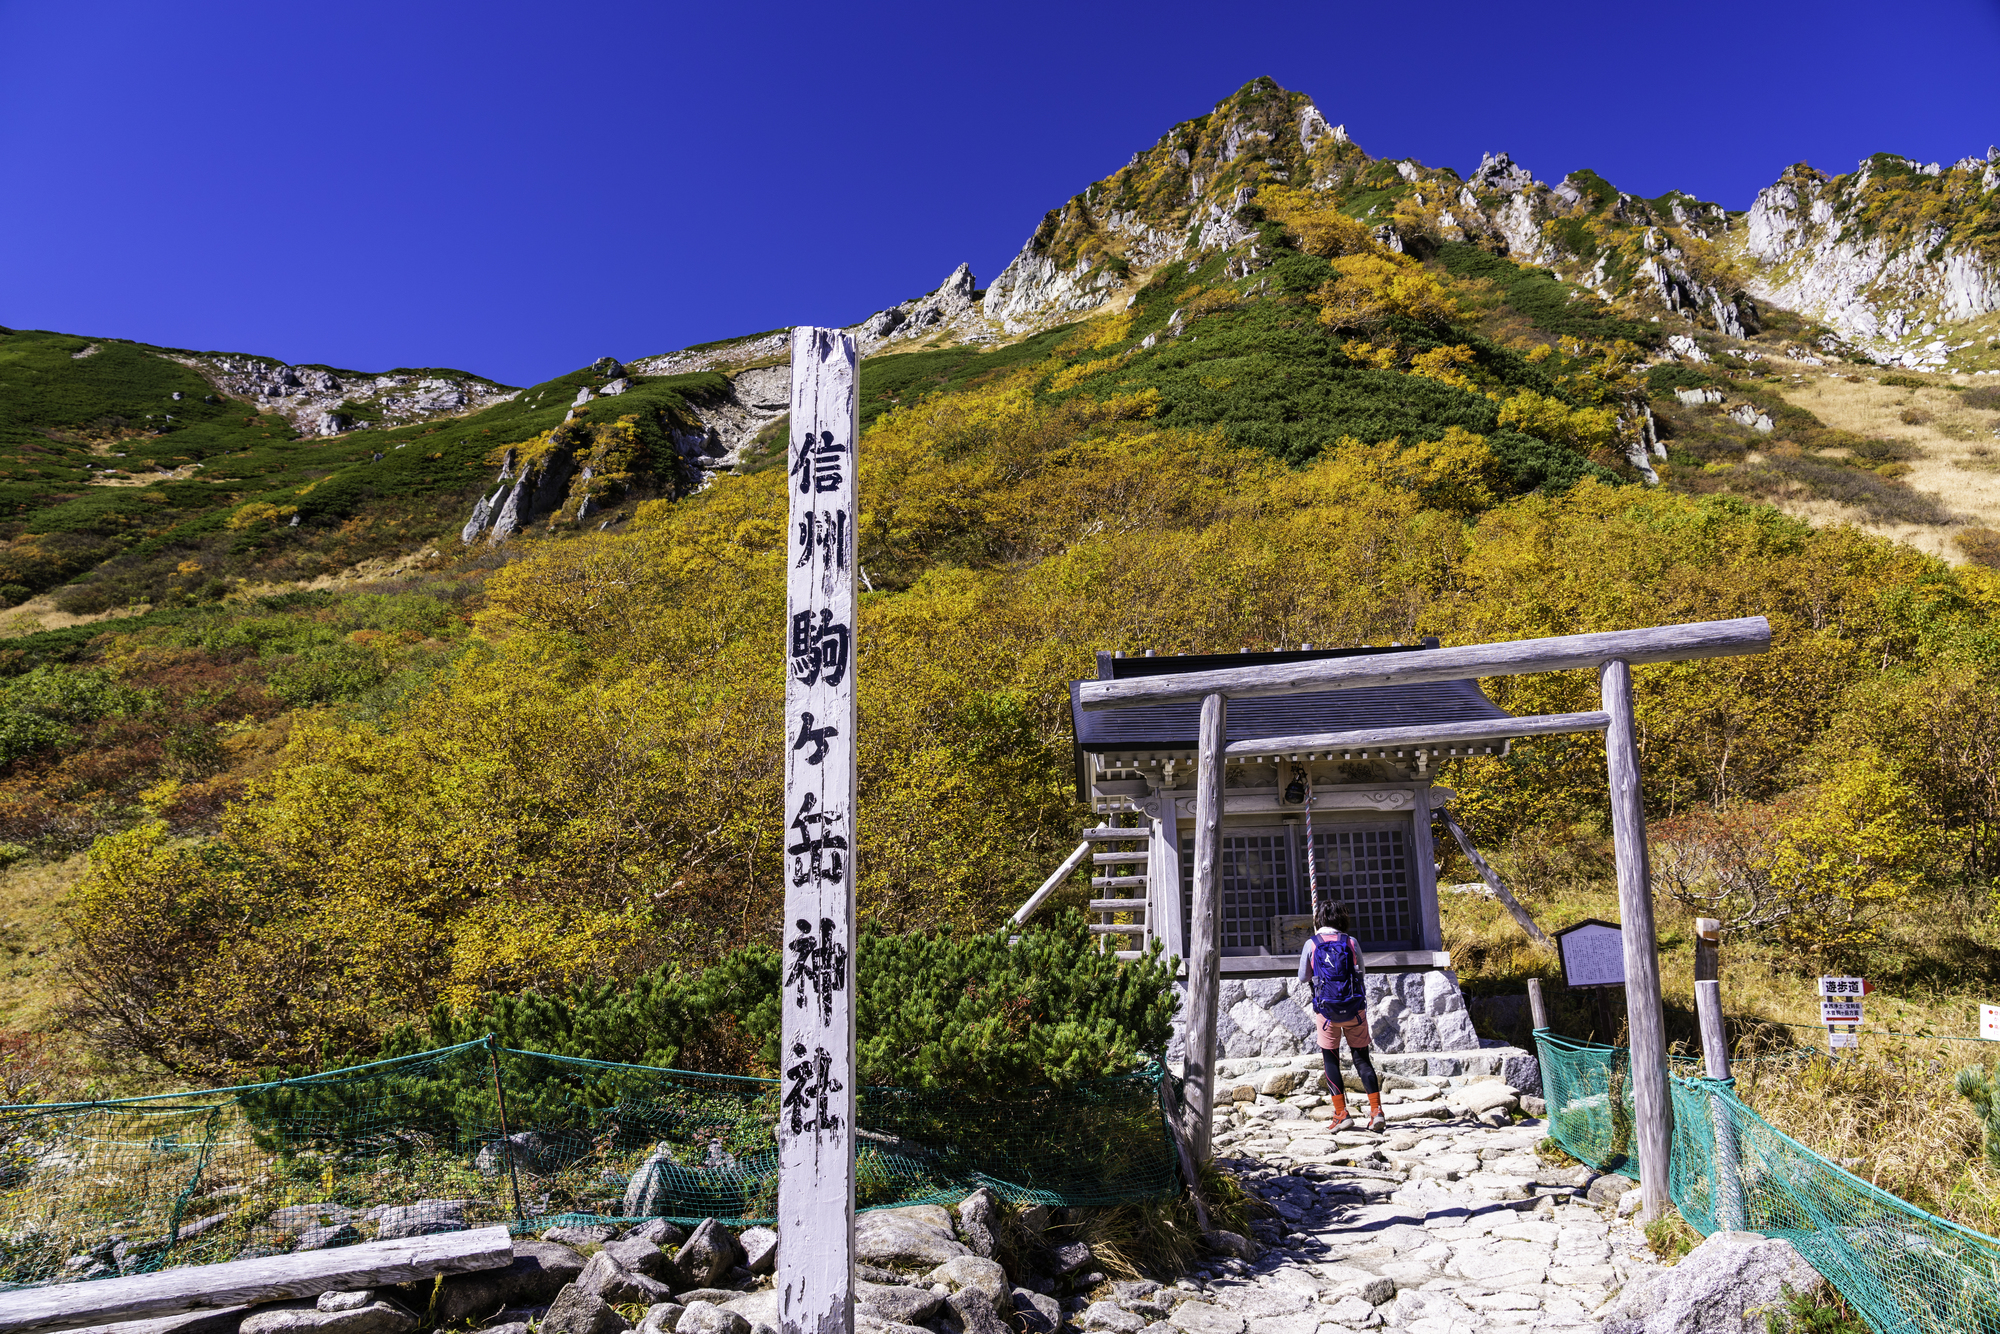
(1887, 1113)
(1959, 455)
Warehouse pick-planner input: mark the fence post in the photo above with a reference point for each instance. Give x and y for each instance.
(1646, 1034)
(1204, 970)
(1730, 1214)
(1707, 949)
(1536, 1005)
(506, 1139)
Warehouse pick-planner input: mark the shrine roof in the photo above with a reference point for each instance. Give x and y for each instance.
(1173, 727)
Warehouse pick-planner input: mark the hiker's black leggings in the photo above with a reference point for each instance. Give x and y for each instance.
(1365, 1068)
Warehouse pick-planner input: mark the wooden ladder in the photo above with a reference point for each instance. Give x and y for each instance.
(1120, 916)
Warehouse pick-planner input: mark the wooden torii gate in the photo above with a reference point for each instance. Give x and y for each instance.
(1613, 654)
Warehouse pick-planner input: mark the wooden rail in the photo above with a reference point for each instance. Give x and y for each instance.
(1428, 734)
(371, 1264)
(1515, 657)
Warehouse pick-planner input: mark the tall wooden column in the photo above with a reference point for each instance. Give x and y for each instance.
(1651, 1107)
(815, 1275)
(1204, 971)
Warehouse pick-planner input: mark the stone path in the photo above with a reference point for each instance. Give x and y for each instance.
(1439, 1226)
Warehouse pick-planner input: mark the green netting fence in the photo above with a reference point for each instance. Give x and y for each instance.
(417, 1145)
(1904, 1270)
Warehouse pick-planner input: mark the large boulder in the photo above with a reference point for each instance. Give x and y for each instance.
(646, 1190)
(525, 1152)
(906, 1238)
(706, 1255)
(1722, 1286)
(975, 1313)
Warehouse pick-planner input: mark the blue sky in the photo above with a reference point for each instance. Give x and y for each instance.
(516, 188)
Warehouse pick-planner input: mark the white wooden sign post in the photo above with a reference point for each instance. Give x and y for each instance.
(816, 1112)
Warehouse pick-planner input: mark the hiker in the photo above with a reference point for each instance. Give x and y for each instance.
(1330, 963)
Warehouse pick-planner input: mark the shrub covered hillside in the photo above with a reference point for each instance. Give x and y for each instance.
(590, 787)
(127, 475)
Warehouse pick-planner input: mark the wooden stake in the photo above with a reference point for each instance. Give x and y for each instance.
(1730, 1214)
(1536, 1005)
(1204, 935)
(506, 1140)
(1644, 1018)
(815, 1277)
(1707, 949)
(1493, 881)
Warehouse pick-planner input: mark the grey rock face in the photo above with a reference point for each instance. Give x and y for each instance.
(1721, 1287)
(706, 1255)
(603, 1275)
(1069, 1258)
(299, 1217)
(1111, 1316)
(576, 1311)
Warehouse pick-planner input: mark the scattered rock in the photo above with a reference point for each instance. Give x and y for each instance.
(1629, 1202)
(1067, 1259)
(706, 1255)
(306, 1318)
(975, 1313)
(708, 1318)
(344, 1301)
(661, 1318)
(658, 1231)
(760, 1249)
(1230, 1243)
(324, 1238)
(1720, 1287)
(979, 1220)
(640, 1256)
(299, 1217)
(1203, 1318)
(972, 1273)
(1605, 1191)
(646, 1190)
(528, 1150)
(582, 1234)
(577, 1311)
(540, 1270)
(421, 1219)
(1036, 1313)
(902, 1304)
(894, 1238)
(1353, 1310)
(1111, 1316)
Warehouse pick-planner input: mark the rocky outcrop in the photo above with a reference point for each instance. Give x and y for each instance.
(323, 402)
(1034, 289)
(952, 307)
(1884, 289)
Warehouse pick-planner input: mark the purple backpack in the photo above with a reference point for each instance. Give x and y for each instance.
(1337, 985)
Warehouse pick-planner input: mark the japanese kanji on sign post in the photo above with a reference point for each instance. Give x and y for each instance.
(816, 1114)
